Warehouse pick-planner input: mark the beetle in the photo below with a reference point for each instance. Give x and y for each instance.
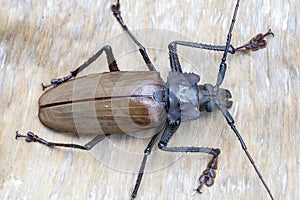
(123, 101)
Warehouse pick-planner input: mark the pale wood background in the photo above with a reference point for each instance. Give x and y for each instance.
(41, 40)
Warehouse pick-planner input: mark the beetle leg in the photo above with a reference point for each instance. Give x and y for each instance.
(115, 8)
(31, 137)
(112, 64)
(142, 168)
(256, 43)
(208, 175)
(174, 61)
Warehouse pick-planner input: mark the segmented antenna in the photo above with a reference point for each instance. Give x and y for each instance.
(226, 114)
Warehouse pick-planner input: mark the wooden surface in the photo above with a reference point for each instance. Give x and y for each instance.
(41, 40)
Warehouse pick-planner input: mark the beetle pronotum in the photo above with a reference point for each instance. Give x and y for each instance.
(152, 102)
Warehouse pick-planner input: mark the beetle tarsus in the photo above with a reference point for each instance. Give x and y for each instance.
(44, 86)
(116, 8)
(20, 135)
(132, 197)
(31, 137)
(58, 81)
(256, 43)
(209, 174)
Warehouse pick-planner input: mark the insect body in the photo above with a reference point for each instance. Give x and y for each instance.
(120, 101)
(124, 101)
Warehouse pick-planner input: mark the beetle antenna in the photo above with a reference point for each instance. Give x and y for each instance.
(223, 65)
(230, 121)
(226, 114)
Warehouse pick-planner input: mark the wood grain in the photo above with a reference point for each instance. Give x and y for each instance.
(41, 40)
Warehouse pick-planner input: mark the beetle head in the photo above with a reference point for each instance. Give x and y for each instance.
(209, 96)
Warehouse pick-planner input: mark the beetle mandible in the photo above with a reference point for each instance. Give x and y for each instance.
(152, 102)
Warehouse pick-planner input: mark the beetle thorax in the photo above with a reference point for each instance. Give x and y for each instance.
(183, 95)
